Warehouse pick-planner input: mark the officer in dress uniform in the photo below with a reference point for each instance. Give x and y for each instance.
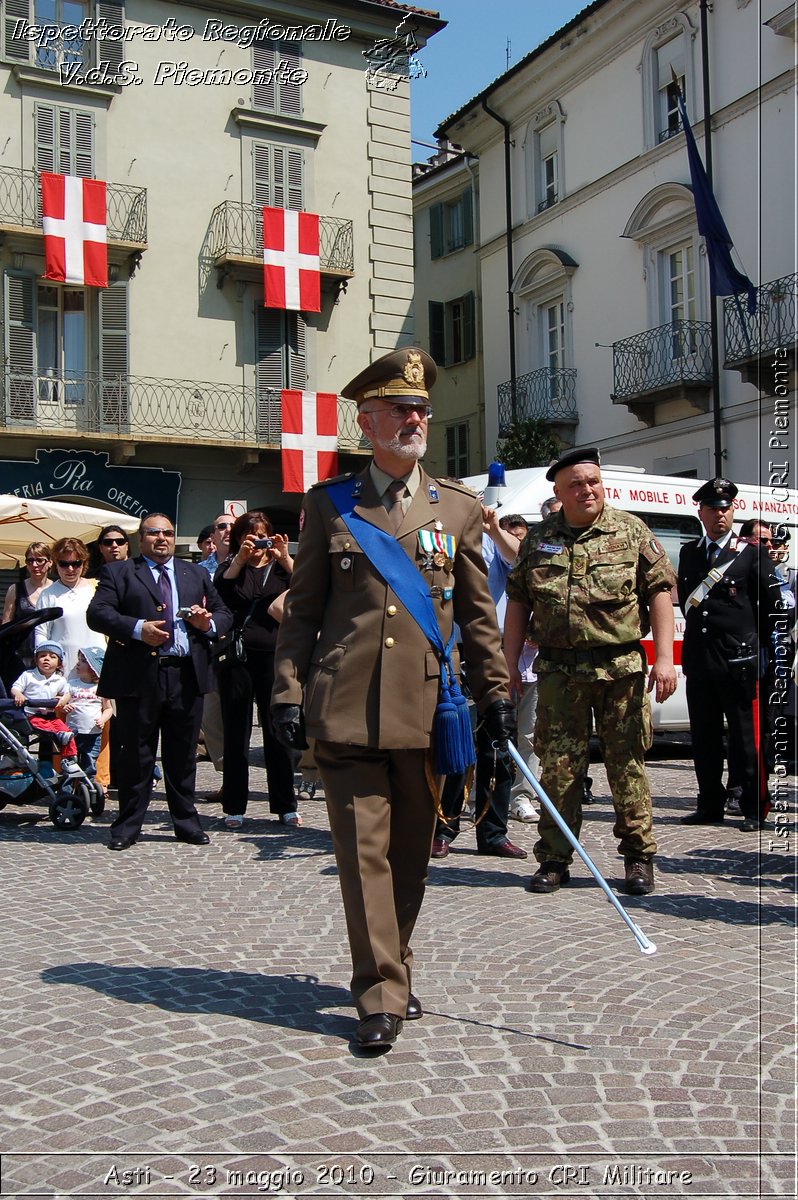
(351, 654)
(725, 593)
(592, 578)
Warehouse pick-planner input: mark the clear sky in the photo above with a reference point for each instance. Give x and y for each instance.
(472, 51)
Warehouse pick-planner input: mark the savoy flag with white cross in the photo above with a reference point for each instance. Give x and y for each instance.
(75, 230)
(291, 268)
(310, 438)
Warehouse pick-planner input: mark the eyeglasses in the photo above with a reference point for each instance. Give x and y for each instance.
(36, 562)
(224, 525)
(765, 541)
(170, 533)
(68, 565)
(400, 412)
(114, 542)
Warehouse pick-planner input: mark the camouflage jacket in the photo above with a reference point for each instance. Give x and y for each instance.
(589, 589)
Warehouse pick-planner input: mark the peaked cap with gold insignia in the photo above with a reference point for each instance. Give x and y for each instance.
(406, 372)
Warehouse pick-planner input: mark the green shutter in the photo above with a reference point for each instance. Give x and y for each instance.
(17, 48)
(437, 336)
(468, 217)
(297, 362)
(436, 230)
(44, 135)
(18, 383)
(295, 190)
(264, 58)
(110, 50)
(469, 326)
(114, 366)
(269, 372)
(290, 91)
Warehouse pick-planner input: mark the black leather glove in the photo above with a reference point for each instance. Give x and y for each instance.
(289, 726)
(500, 723)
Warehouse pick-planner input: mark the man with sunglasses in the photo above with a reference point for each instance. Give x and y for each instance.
(160, 615)
(351, 651)
(220, 536)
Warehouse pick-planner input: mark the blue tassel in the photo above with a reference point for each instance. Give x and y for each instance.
(454, 740)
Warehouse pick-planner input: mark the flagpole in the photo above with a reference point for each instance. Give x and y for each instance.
(713, 300)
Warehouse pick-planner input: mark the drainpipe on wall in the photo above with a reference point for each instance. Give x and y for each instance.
(469, 160)
(508, 203)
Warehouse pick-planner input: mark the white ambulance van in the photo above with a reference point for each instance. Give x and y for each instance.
(665, 503)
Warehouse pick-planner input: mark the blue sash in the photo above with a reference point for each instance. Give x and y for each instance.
(453, 737)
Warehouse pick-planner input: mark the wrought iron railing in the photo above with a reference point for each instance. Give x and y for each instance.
(130, 406)
(543, 395)
(678, 353)
(774, 324)
(237, 229)
(20, 204)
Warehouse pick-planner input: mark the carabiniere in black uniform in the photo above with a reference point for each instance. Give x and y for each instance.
(722, 664)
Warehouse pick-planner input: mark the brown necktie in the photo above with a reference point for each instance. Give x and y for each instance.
(396, 493)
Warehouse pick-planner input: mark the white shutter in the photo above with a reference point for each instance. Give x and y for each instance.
(19, 305)
(671, 56)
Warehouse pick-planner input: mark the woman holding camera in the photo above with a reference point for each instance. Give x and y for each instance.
(252, 581)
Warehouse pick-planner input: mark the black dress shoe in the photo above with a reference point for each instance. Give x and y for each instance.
(701, 817)
(414, 1010)
(751, 825)
(121, 843)
(504, 849)
(548, 878)
(380, 1029)
(193, 839)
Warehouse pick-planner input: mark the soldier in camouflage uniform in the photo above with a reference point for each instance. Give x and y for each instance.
(594, 580)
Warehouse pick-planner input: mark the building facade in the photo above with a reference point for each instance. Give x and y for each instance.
(196, 119)
(607, 336)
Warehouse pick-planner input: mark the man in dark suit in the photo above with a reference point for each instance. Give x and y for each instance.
(160, 614)
(725, 592)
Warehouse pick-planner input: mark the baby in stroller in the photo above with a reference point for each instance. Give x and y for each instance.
(38, 691)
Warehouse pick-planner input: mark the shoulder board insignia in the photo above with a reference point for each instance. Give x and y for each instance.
(328, 482)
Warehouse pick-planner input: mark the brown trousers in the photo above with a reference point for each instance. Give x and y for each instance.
(382, 819)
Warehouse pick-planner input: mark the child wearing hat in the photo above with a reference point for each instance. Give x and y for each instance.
(35, 690)
(84, 710)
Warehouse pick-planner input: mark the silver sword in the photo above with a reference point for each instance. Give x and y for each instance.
(645, 946)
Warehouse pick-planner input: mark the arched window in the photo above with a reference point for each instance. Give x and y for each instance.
(545, 158)
(664, 225)
(668, 50)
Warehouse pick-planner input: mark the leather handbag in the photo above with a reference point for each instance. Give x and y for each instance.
(229, 650)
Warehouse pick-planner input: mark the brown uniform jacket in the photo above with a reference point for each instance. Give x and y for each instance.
(369, 675)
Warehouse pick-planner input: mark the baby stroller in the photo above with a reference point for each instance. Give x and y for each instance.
(27, 778)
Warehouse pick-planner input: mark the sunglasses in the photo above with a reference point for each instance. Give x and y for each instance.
(69, 566)
(114, 541)
(157, 533)
(36, 562)
(224, 525)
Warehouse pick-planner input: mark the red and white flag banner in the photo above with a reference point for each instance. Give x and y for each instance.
(291, 270)
(310, 438)
(75, 230)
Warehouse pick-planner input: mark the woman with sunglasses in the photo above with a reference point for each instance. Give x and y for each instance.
(21, 597)
(72, 593)
(112, 545)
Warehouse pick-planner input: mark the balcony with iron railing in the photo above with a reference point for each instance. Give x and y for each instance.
(543, 395)
(140, 409)
(757, 344)
(672, 362)
(21, 208)
(235, 238)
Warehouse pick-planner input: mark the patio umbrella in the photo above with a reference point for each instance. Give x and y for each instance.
(26, 521)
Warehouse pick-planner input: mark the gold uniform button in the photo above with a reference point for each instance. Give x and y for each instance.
(389, 642)
(391, 610)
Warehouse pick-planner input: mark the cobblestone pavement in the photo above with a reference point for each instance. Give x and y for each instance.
(176, 1019)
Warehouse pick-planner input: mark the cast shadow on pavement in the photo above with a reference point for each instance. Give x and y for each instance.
(285, 1001)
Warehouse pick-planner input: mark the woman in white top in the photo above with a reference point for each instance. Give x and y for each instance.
(71, 592)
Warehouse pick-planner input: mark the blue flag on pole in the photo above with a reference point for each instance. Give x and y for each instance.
(724, 278)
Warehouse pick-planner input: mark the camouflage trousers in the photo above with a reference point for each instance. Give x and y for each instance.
(621, 710)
